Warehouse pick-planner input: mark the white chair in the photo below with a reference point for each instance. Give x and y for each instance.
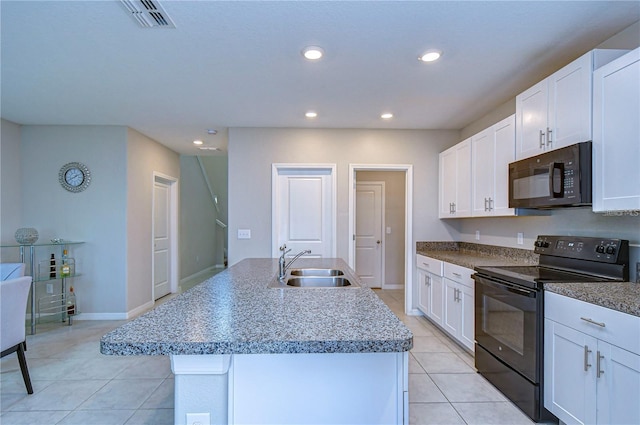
(13, 305)
(11, 270)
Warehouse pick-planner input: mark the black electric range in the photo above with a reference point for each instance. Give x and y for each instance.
(509, 311)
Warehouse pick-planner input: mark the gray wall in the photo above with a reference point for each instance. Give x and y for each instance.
(394, 218)
(10, 190)
(112, 217)
(252, 151)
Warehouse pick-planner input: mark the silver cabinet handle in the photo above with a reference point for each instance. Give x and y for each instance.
(586, 319)
(549, 141)
(486, 201)
(490, 204)
(426, 264)
(453, 208)
(541, 139)
(586, 358)
(456, 274)
(598, 370)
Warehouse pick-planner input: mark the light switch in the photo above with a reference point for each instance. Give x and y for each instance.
(198, 419)
(388, 230)
(520, 238)
(244, 233)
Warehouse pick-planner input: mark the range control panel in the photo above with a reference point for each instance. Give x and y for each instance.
(603, 250)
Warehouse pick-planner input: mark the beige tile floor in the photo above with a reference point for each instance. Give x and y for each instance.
(75, 384)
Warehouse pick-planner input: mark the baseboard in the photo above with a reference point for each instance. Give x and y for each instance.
(201, 273)
(392, 286)
(115, 316)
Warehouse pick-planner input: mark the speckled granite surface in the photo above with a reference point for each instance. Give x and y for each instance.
(235, 313)
(472, 255)
(621, 296)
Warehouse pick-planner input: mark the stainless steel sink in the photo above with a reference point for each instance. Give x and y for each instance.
(316, 272)
(318, 281)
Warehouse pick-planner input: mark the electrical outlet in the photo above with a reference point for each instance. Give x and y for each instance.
(49, 288)
(477, 235)
(198, 419)
(638, 272)
(244, 233)
(520, 238)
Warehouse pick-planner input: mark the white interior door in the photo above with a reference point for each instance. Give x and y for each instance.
(161, 239)
(304, 210)
(369, 234)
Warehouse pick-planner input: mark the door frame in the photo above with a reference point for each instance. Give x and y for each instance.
(409, 246)
(172, 182)
(275, 172)
(382, 232)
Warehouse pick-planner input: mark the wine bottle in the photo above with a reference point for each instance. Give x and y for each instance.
(71, 302)
(65, 270)
(52, 267)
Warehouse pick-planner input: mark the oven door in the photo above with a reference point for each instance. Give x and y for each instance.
(506, 323)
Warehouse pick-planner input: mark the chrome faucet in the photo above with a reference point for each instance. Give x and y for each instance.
(282, 265)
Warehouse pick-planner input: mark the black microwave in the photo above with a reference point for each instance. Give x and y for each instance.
(559, 178)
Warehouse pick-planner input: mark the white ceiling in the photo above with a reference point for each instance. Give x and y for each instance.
(238, 64)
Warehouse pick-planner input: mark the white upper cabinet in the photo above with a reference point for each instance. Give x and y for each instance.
(556, 112)
(616, 135)
(455, 181)
(492, 151)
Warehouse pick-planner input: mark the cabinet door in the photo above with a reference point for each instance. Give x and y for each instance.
(463, 181)
(437, 299)
(483, 165)
(467, 330)
(423, 292)
(531, 120)
(451, 322)
(447, 192)
(618, 386)
(570, 103)
(569, 374)
(616, 134)
(505, 152)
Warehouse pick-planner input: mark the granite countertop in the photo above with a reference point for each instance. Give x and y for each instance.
(620, 296)
(472, 255)
(234, 312)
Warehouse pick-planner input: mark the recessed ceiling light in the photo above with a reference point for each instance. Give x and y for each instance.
(208, 148)
(386, 116)
(212, 131)
(313, 52)
(430, 55)
(311, 114)
(197, 142)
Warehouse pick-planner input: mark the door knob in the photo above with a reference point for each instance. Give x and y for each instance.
(378, 242)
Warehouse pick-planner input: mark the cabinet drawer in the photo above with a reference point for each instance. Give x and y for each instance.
(429, 264)
(620, 329)
(458, 274)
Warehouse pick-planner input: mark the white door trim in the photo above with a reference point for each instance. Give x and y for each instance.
(174, 274)
(409, 248)
(275, 170)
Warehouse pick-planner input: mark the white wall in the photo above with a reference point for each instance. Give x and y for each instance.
(144, 156)
(252, 151)
(10, 190)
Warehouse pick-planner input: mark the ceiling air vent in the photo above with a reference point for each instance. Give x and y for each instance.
(148, 13)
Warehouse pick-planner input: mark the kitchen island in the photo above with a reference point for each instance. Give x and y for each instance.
(243, 352)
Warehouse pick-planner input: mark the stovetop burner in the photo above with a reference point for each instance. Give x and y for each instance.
(569, 259)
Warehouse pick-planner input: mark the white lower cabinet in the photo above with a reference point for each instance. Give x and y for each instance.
(445, 296)
(430, 288)
(458, 311)
(592, 363)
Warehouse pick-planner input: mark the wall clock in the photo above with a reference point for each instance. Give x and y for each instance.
(74, 176)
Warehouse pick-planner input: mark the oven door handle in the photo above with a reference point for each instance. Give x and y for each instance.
(505, 286)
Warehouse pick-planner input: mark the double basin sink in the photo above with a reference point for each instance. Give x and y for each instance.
(314, 278)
